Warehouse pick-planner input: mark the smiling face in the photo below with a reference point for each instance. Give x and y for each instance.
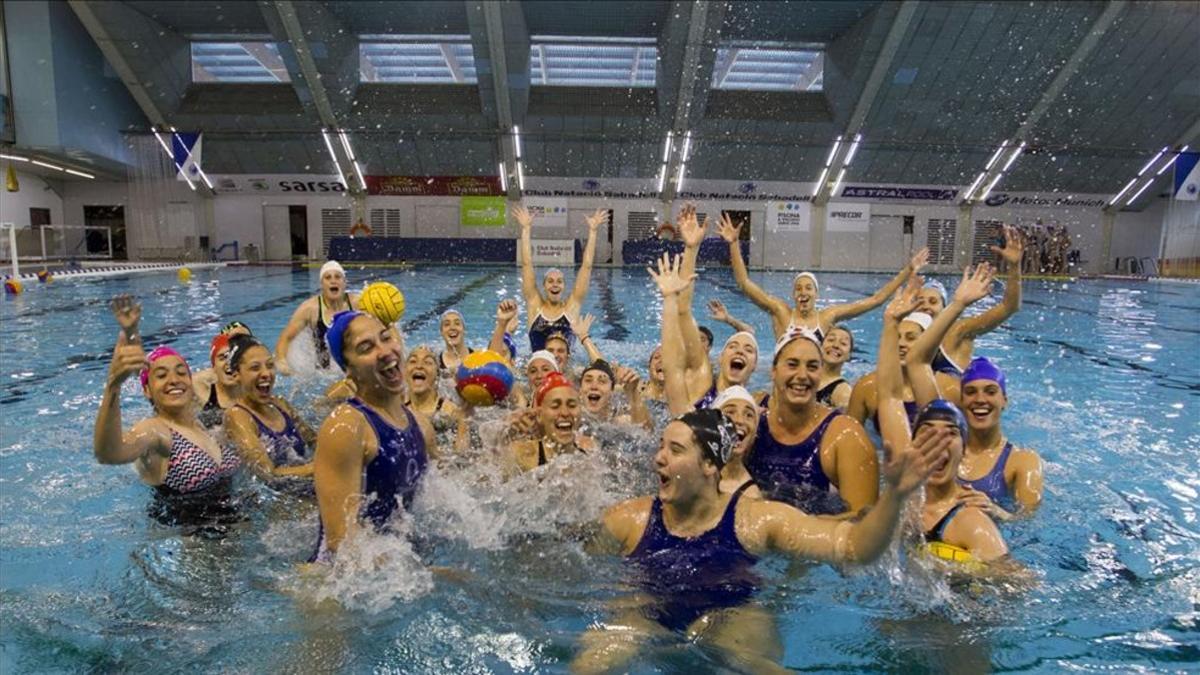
(452, 329)
(837, 346)
(555, 284)
(561, 351)
(745, 419)
(656, 366)
(909, 332)
(946, 469)
(559, 415)
(738, 359)
(225, 377)
(333, 284)
(683, 470)
(536, 371)
(169, 386)
(420, 371)
(797, 372)
(930, 302)
(983, 401)
(256, 373)
(374, 358)
(804, 293)
(596, 390)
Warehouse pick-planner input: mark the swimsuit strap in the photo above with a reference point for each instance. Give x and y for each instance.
(936, 532)
(214, 401)
(541, 454)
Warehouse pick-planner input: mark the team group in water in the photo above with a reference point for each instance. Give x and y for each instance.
(741, 474)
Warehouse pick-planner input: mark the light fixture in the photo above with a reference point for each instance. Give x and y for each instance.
(995, 156)
(1125, 189)
(14, 158)
(833, 151)
(820, 181)
(990, 186)
(353, 160)
(171, 154)
(837, 183)
(337, 165)
(503, 179)
(662, 177)
(853, 149)
(687, 146)
(971, 190)
(48, 165)
(520, 176)
(667, 148)
(517, 140)
(1171, 161)
(1152, 161)
(79, 173)
(1139, 192)
(1013, 157)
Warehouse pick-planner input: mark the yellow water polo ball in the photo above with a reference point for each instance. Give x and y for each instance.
(383, 301)
(185, 275)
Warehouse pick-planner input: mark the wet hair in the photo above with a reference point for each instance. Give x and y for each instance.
(707, 333)
(602, 366)
(238, 346)
(714, 433)
(234, 325)
(845, 329)
(560, 336)
(941, 410)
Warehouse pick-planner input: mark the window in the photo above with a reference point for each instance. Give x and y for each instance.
(417, 59)
(238, 63)
(762, 69)
(558, 61)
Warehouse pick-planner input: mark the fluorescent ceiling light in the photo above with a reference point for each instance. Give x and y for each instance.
(687, 146)
(667, 147)
(833, 151)
(1171, 161)
(48, 165)
(1152, 161)
(837, 183)
(990, 186)
(971, 190)
(503, 179)
(820, 181)
(14, 157)
(520, 176)
(336, 164)
(79, 173)
(1013, 157)
(517, 140)
(1139, 192)
(1123, 191)
(853, 149)
(995, 156)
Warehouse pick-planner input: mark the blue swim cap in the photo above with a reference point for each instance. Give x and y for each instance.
(337, 331)
(511, 344)
(937, 286)
(982, 369)
(939, 409)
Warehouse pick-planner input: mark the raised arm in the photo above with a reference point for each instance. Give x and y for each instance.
(627, 379)
(692, 232)
(300, 319)
(671, 285)
(717, 310)
(582, 327)
(889, 382)
(847, 311)
(971, 289)
(533, 297)
(973, 326)
(337, 473)
(583, 279)
(505, 311)
(109, 442)
(780, 313)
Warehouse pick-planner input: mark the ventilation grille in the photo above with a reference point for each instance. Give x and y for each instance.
(941, 240)
(642, 225)
(334, 223)
(987, 232)
(385, 222)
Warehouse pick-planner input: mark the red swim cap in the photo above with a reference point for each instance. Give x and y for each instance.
(552, 381)
(218, 343)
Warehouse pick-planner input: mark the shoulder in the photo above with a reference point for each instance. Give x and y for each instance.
(152, 426)
(344, 419)
(969, 524)
(866, 381)
(627, 518)
(843, 424)
(237, 415)
(423, 424)
(307, 308)
(1025, 459)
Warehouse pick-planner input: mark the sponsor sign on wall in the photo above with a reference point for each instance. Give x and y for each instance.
(552, 251)
(277, 183)
(842, 217)
(433, 186)
(482, 212)
(900, 192)
(788, 216)
(547, 212)
(1045, 199)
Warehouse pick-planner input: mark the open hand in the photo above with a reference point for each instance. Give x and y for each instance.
(728, 231)
(907, 470)
(716, 309)
(1013, 249)
(128, 312)
(522, 215)
(904, 302)
(580, 325)
(598, 216)
(919, 259)
(690, 230)
(975, 286)
(668, 278)
(128, 359)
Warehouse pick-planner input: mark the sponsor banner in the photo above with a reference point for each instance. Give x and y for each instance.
(276, 183)
(1187, 176)
(1038, 199)
(788, 216)
(645, 188)
(482, 212)
(552, 252)
(900, 192)
(185, 150)
(841, 217)
(547, 212)
(433, 186)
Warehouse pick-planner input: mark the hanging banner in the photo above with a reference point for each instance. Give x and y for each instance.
(278, 183)
(788, 216)
(482, 212)
(552, 252)
(900, 192)
(185, 151)
(547, 212)
(1187, 176)
(433, 186)
(841, 217)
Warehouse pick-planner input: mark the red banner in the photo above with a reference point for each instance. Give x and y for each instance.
(433, 186)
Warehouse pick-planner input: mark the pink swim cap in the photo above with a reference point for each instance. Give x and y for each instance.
(158, 353)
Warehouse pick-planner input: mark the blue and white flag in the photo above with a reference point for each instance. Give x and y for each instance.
(1187, 176)
(185, 147)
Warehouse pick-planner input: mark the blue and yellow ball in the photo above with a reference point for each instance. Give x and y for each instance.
(13, 286)
(484, 379)
(44, 276)
(382, 301)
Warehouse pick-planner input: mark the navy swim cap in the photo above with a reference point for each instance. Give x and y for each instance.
(602, 366)
(336, 333)
(981, 369)
(714, 433)
(941, 410)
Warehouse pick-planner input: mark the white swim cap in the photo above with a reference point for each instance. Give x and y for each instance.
(753, 340)
(734, 393)
(810, 275)
(333, 266)
(543, 355)
(791, 336)
(920, 318)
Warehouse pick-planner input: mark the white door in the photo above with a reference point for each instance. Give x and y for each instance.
(887, 248)
(277, 233)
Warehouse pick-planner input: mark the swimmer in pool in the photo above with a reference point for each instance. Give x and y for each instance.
(692, 548)
(420, 374)
(548, 305)
(596, 387)
(502, 341)
(1002, 479)
(316, 314)
(554, 422)
(944, 516)
(372, 451)
(216, 388)
(170, 449)
(537, 368)
(454, 341)
(959, 342)
(834, 390)
(805, 290)
(273, 439)
(702, 386)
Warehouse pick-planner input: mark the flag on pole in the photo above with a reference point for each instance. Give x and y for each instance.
(1187, 176)
(185, 148)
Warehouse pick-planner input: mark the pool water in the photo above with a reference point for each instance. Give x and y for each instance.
(1104, 382)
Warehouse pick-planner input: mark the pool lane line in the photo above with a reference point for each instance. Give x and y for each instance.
(614, 314)
(1096, 315)
(449, 301)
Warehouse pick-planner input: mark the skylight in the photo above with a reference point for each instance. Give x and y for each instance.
(760, 69)
(563, 61)
(417, 59)
(238, 62)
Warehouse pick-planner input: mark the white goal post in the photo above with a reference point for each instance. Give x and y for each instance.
(55, 242)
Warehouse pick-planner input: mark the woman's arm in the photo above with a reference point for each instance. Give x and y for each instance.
(583, 279)
(671, 284)
(970, 290)
(844, 312)
(243, 432)
(627, 379)
(300, 319)
(974, 326)
(109, 443)
(780, 312)
(889, 383)
(337, 473)
(505, 312)
(695, 357)
(582, 327)
(533, 297)
(717, 310)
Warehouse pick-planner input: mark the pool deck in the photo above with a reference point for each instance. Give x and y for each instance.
(94, 271)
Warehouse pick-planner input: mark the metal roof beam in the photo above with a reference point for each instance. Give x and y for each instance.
(703, 24)
(84, 11)
(494, 28)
